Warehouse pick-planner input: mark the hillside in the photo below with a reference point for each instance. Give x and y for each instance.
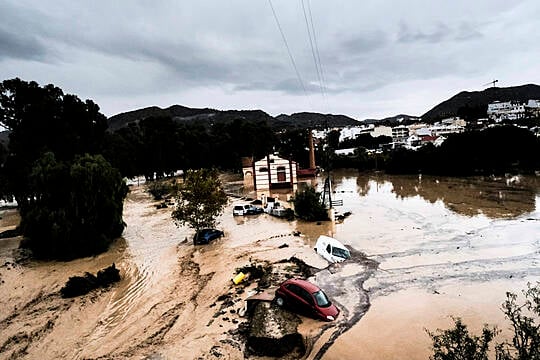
(207, 117)
(477, 101)
(316, 120)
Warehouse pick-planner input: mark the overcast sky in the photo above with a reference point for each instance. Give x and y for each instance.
(379, 57)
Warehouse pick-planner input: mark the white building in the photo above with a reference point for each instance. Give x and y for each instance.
(352, 132)
(438, 130)
(508, 110)
(400, 133)
(381, 131)
(270, 172)
(456, 121)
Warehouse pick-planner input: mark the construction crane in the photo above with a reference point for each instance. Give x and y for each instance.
(492, 83)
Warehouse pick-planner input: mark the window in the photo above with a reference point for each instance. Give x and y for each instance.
(281, 175)
(321, 299)
(263, 169)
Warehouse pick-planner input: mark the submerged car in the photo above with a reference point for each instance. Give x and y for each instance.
(204, 236)
(304, 297)
(331, 249)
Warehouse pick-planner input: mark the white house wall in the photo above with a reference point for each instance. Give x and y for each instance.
(263, 181)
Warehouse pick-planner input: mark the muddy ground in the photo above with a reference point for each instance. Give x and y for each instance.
(423, 249)
(175, 300)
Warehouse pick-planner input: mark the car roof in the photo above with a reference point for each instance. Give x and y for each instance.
(311, 288)
(331, 241)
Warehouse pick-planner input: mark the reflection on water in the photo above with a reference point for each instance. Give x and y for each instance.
(492, 197)
(438, 241)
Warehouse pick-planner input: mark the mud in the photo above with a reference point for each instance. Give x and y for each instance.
(423, 249)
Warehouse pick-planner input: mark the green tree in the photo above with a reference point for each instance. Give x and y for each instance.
(75, 209)
(525, 322)
(200, 199)
(458, 344)
(308, 205)
(44, 119)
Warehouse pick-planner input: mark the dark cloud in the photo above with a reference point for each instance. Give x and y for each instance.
(20, 46)
(19, 36)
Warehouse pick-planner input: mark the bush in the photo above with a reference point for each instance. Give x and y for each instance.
(308, 205)
(458, 343)
(159, 188)
(524, 318)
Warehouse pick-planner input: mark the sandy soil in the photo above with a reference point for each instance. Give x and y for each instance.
(165, 306)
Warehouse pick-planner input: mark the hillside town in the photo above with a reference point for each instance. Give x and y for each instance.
(414, 134)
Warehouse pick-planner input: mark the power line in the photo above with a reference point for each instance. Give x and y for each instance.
(313, 50)
(316, 47)
(288, 49)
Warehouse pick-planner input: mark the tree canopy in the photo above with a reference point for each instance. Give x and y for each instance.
(69, 197)
(309, 206)
(200, 199)
(75, 208)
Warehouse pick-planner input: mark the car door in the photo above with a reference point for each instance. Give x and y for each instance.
(308, 302)
(295, 299)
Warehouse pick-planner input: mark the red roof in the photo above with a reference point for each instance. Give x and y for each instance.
(429, 138)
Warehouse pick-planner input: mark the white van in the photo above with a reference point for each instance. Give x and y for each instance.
(331, 249)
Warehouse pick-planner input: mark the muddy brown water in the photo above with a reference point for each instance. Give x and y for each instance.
(444, 246)
(424, 248)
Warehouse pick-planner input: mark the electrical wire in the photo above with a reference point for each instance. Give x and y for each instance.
(313, 53)
(288, 49)
(317, 48)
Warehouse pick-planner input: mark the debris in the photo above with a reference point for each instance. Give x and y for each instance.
(238, 278)
(274, 332)
(81, 285)
(283, 246)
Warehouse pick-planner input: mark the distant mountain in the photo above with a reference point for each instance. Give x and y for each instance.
(477, 101)
(316, 120)
(207, 116)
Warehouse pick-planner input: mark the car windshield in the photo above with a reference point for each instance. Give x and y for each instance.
(321, 299)
(238, 207)
(342, 253)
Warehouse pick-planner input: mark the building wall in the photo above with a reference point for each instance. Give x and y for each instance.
(382, 131)
(273, 171)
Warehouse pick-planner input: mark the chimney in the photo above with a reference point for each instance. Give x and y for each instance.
(311, 151)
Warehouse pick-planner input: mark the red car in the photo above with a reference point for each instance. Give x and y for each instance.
(303, 296)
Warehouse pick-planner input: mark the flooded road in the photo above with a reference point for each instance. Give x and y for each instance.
(444, 247)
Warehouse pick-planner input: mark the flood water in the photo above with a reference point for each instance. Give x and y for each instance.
(445, 246)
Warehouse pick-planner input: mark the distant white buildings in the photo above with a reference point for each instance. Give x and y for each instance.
(352, 132)
(513, 110)
(400, 133)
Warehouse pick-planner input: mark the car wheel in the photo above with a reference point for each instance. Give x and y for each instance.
(280, 301)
